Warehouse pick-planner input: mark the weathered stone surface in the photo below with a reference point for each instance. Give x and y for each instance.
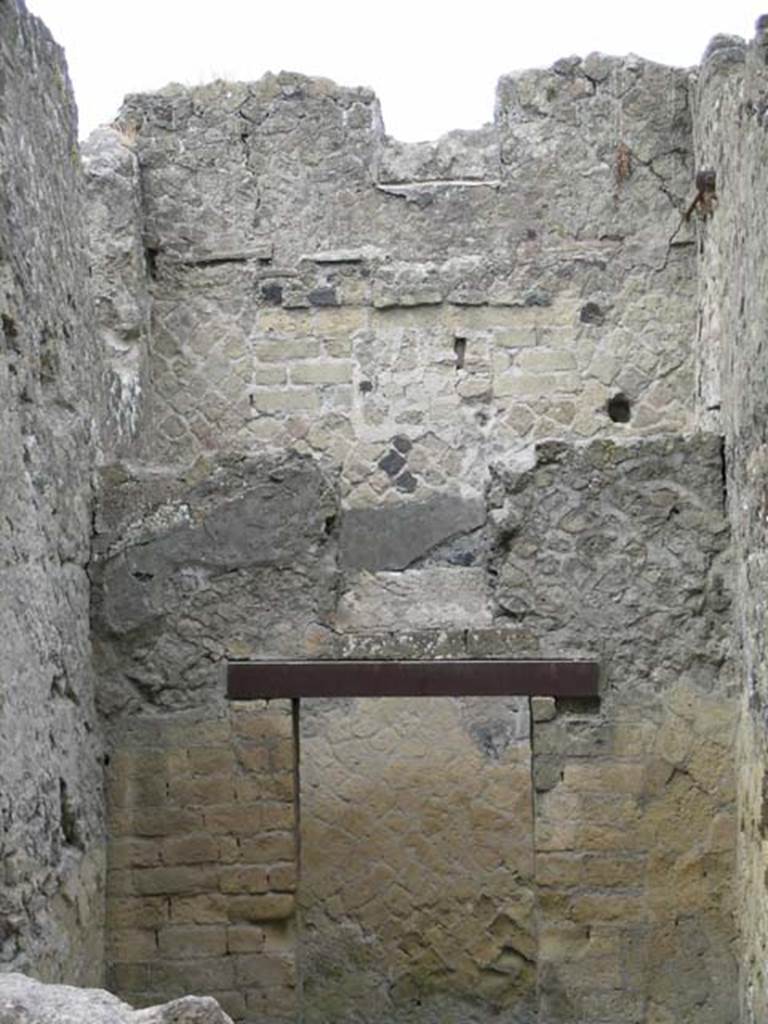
(120, 271)
(408, 317)
(371, 261)
(25, 1001)
(399, 849)
(373, 327)
(203, 856)
(51, 798)
(620, 553)
(241, 541)
(733, 282)
(394, 536)
(435, 596)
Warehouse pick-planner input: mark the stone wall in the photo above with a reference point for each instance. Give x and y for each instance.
(620, 553)
(203, 861)
(318, 286)
(51, 805)
(417, 900)
(346, 349)
(191, 568)
(351, 398)
(733, 264)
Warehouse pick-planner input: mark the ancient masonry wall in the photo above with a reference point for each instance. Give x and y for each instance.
(335, 357)
(732, 98)
(353, 398)
(51, 804)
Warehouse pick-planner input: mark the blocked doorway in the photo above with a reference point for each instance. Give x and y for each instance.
(416, 891)
(416, 895)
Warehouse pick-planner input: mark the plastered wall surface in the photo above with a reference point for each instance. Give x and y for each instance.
(51, 804)
(731, 136)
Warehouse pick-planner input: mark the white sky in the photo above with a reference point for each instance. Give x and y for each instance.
(432, 64)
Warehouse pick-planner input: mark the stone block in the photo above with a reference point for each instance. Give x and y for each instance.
(210, 760)
(136, 912)
(285, 400)
(271, 906)
(125, 851)
(207, 908)
(173, 881)
(541, 360)
(547, 772)
(121, 882)
(245, 938)
(254, 724)
(243, 878)
(332, 372)
(531, 385)
(191, 849)
(627, 907)
(284, 351)
(183, 731)
(561, 870)
(605, 776)
(232, 1002)
(543, 709)
(269, 848)
(252, 757)
(283, 877)
(234, 819)
(282, 756)
(273, 373)
(179, 977)
(144, 790)
(490, 318)
(288, 322)
(266, 786)
(523, 336)
(328, 321)
(615, 871)
(189, 941)
(201, 790)
(278, 817)
(129, 977)
(132, 944)
(432, 597)
(394, 318)
(157, 821)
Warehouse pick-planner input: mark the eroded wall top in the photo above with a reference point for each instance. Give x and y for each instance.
(410, 312)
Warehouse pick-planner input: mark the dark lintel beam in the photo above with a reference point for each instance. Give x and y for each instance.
(255, 680)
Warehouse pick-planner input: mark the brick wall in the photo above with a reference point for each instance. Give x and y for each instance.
(203, 861)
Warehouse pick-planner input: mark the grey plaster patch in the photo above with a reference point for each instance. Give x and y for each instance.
(250, 560)
(395, 536)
